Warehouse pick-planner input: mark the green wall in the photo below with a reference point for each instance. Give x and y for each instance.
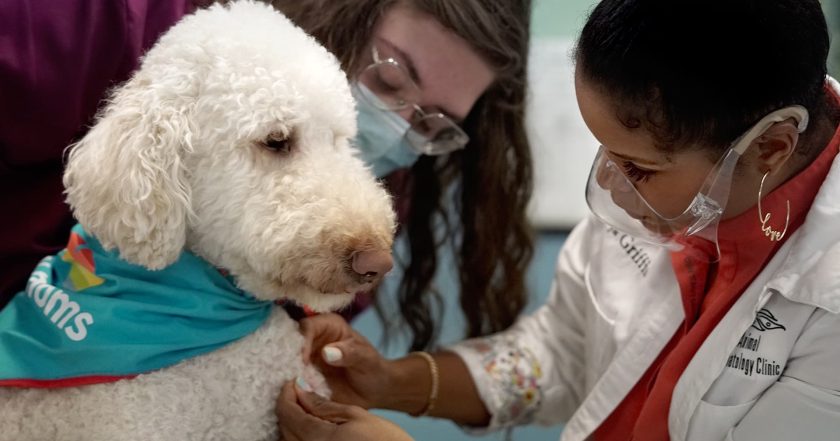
(559, 18)
(832, 17)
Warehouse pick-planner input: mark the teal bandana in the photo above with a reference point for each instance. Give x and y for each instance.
(88, 316)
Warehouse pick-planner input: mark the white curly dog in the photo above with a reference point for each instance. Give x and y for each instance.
(232, 141)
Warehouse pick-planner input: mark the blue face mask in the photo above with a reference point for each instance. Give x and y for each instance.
(380, 138)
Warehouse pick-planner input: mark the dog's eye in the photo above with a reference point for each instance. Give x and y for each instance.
(278, 144)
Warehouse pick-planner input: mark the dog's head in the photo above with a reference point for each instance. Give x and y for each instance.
(232, 140)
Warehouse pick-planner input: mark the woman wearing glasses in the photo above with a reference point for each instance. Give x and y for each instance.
(440, 86)
(701, 300)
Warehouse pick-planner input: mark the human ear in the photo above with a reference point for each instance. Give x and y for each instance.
(775, 147)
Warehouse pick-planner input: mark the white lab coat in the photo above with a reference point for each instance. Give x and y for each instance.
(770, 370)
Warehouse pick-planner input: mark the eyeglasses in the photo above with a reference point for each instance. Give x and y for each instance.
(431, 133)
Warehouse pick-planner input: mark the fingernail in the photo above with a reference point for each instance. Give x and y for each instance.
(303, 385)
(332, 354)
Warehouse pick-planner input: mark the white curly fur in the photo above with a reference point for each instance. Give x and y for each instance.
(226, 395)
(177, 160)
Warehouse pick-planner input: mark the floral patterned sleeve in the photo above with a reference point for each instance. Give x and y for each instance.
(535, 372)
(508, 380)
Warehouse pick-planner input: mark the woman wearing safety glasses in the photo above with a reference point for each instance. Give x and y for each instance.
(701, 299)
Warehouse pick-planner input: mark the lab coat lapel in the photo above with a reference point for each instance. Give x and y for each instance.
(709, 361)
(642, 329)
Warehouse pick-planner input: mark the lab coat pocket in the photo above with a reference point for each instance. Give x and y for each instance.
(712, 422)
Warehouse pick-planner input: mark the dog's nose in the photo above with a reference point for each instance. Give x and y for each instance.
(372, 264)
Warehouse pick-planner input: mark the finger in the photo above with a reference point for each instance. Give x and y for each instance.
(352, 353)
(325, 409)
(332, 354)
(294, 422)
(337, 354)
(320, 330)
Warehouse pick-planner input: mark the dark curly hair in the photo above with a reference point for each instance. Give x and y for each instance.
(701, 72)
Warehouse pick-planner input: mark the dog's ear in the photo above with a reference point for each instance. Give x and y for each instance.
(126, 181)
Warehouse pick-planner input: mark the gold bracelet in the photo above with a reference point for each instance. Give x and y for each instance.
(433, 394)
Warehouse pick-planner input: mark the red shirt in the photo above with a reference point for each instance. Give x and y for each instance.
(745, 250)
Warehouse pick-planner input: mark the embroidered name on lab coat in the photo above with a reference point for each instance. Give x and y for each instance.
(635, 252)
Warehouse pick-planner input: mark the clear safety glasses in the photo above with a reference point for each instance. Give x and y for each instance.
(614, 199)
(431, 133)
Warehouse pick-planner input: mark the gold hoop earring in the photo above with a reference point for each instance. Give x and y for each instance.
(765, 218)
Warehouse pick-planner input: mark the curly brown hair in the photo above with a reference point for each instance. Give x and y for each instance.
(492, 177)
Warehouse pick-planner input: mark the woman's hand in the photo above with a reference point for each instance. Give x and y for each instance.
(355, 371)
(358, 375)
(306, 416)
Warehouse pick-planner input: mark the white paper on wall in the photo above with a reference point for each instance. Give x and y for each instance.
(563, 148)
